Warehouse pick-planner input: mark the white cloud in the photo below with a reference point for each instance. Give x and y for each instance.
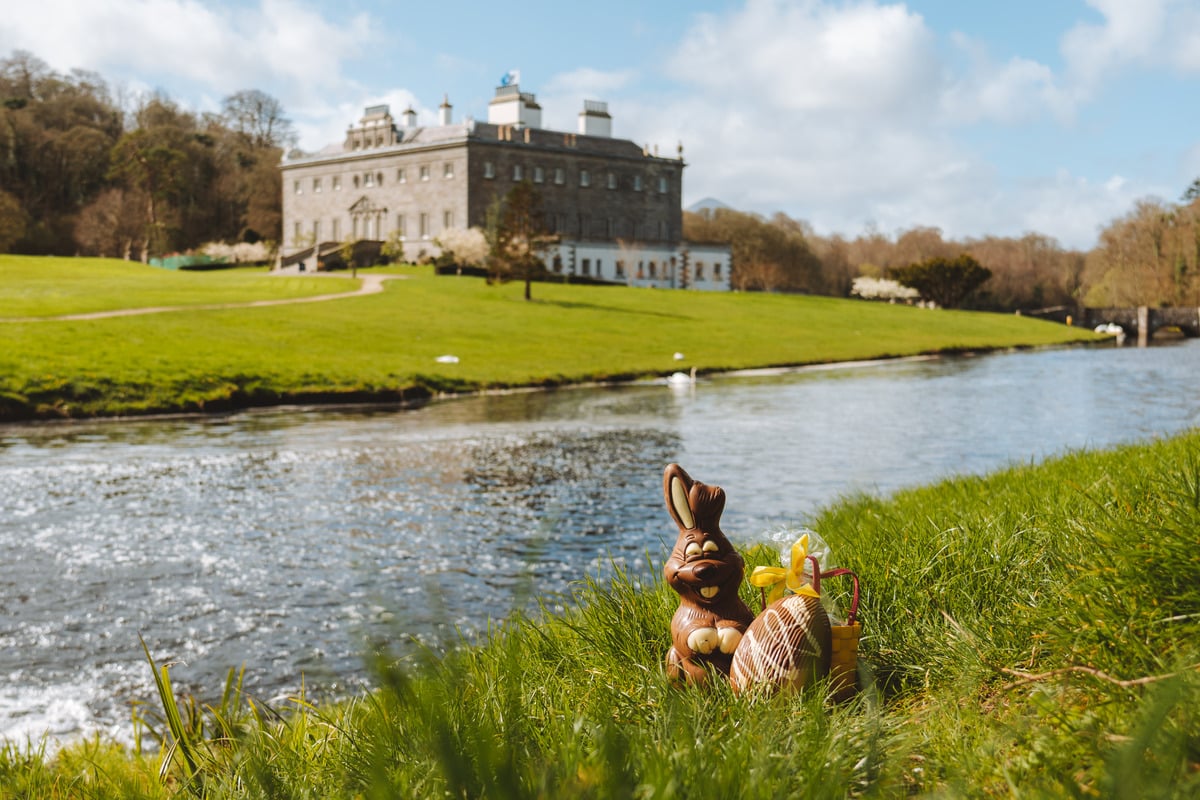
(562, 99)
(282, 46)
(1130, 31)
(1141, 32)
(861, 58)
(841, 114)
(1016, 91)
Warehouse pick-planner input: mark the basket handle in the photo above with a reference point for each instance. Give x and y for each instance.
(834, 573)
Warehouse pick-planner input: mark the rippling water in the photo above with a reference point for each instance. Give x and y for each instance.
(281, 540)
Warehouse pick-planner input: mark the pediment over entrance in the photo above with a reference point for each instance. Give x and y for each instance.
(363, 205)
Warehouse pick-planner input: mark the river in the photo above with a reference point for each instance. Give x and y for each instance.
(280, 540)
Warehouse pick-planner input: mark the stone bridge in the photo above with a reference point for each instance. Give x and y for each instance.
(1143, 321)
(1139, 321)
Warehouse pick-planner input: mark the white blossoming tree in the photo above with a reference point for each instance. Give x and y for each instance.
(882, 289)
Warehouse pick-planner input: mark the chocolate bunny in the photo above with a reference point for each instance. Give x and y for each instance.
(706, 572)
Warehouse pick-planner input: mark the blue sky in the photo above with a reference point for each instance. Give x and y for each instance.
(980, 118)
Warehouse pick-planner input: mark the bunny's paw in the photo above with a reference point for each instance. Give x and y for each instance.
(704, 640)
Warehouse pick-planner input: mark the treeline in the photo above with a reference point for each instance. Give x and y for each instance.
(1149, 257)
(783, 254)
(89, 172)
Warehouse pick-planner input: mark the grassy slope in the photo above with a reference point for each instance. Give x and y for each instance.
(36, 286)
(388, 343)
(1088, 560)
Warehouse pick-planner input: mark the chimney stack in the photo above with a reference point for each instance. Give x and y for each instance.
(444, 111)
(594, 120)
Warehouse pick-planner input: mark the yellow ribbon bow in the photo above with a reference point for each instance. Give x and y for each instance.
(792, 577)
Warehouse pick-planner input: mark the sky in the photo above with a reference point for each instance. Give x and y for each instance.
(979, 118)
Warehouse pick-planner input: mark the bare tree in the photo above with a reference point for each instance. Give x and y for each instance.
(112, 224)
(259, 118)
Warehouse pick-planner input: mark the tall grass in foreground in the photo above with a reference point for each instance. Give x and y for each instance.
(1034, 632)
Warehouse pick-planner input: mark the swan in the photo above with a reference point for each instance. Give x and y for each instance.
(682, 378)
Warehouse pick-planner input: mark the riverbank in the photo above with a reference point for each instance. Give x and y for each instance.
(1035, 631)
(394, 346)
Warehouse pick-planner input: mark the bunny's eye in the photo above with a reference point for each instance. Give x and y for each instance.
(711, 547)
(692, 549)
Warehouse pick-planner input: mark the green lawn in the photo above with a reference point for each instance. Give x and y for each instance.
(386, 345)
(1032, 633)
(35, 286)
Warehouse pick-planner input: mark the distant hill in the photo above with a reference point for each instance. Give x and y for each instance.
(709, 203)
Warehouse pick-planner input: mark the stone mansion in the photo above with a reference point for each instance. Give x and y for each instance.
(613, 207)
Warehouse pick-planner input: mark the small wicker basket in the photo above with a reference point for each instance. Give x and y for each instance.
(843, 667)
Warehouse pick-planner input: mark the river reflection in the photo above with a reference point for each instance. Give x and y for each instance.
(281, 539)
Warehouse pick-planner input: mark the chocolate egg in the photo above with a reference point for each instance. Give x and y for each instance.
(788, 646)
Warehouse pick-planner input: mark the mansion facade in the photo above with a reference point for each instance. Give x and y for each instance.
(613, 208)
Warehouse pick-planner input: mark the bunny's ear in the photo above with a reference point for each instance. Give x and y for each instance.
(677, 486)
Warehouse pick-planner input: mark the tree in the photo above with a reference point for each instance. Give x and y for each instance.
(767, 255)
(943, 281)
(1193, 191)
(259, 119)
(112, 224)
(150, 162)
(12, 220)
(516, 235)
(463, 248)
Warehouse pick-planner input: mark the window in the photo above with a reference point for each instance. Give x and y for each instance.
(400, 230)
(297, 234)
(641, 273)
(717, 271)
(337, 229)
(662, 184)
(585, 178)
(637, 183)
(337, 183)
(539, 175)
(598, 273)
(379, 179)
(612, 180)
(620, 269)
(368, 180)
(316, 230)
(517, 172)
(653, 270)
(489, 169)
(296, 188)
(316, 184)
(587, 266)
(424, 223)
(557, 263)
(447, 219)
(559, 176)
(400, 176)
(425, 172)
(699, 270)
(448, 170)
